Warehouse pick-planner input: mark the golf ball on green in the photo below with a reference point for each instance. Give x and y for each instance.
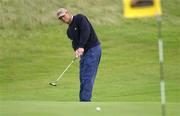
(98, 109)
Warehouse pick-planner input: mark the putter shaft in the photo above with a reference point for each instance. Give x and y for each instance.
(55, 82)
(66, 69)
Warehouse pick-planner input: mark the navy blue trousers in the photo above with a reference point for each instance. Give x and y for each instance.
(88, 68)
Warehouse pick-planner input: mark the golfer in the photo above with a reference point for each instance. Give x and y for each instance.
(86, 46)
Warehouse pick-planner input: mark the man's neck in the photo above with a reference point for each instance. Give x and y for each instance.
(71, 20)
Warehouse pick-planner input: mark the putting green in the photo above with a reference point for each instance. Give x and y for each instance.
(40, 108)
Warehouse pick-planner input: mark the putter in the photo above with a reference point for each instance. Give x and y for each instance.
(54, 83)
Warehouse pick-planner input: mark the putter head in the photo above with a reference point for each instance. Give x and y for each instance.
(53, 83)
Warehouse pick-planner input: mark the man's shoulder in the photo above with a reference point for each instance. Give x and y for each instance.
(79, 16)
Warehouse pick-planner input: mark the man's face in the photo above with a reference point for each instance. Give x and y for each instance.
(66, 18)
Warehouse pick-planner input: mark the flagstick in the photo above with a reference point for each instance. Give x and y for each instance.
(161, 60)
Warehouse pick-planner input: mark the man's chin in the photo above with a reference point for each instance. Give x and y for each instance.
(66, 22)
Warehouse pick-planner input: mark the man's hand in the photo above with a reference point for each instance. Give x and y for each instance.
(79, 52)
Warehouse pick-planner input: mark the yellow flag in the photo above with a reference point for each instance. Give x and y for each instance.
(141, 8)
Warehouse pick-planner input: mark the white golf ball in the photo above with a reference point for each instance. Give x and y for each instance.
(98, 109)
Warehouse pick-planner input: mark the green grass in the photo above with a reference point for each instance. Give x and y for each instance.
(129, 69)
(36, 108)
(34, 50)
